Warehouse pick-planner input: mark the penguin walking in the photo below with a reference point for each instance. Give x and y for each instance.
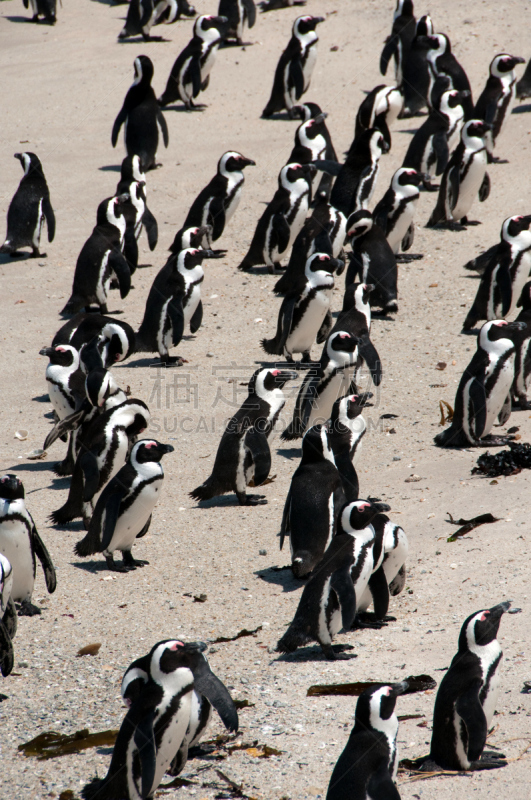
(243, 452)
(238, 14)
(116, 338)
(283, 218)
(484, 391)
(157, 721)
(295, 67)
(380, 110)
(28, 209)
(44, 11)
(466, 699)
(496, 100)
(402, 34)
(303, 310)
(505, 275)
(395, 211)
(101, 260)
(522, 359)
(190, 73)
(368, 765)
(390, 551)
(21, 545)
(355, 318)
(372, 260)
(65, 379)
(416, 81)
(346, 428)
(8, 617)
(141, 16)
(441, 61)
(464, 178)
(141, 116)
(125, 507)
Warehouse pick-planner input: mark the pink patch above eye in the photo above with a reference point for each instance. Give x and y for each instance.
(363, 506)
(344, 335)
(275, 372)
(150, 444)
(353, 398)
(60, 349)
(484, 616)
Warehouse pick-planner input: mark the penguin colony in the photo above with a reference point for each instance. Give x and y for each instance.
(317, 227)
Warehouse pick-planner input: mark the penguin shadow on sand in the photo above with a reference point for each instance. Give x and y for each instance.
(281, 576)
(518, 110)
(110, 168)
(12, 259)
(96, 566)
(290, 453)
(314, 653)
(282, 116)
(176, 106)
(43, 398)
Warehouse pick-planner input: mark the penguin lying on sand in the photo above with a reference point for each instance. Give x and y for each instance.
(28, 209)
(8, 617)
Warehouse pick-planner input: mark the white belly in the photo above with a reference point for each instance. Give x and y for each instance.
(469, 188)
(15, 546)
(59, 402)
(309, 65)
(192, 304)
(172, 738)
(499, 394)
(400, 229)
(134, 519)
(301, 340)
(322, 406)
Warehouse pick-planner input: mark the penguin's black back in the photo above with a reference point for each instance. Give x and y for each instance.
(362, 768)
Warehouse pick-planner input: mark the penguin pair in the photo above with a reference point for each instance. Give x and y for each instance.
(238, 14)
(495, 102)
(484, 391)
(161, 691)
(507, 267)
(21, 545)
(190, 73)
(372, 260)
(295, 67)
(115, 338)
(243, 452)
(380, 109)
(28, 210)
(136, 212)
(395, 211)
(8, 617)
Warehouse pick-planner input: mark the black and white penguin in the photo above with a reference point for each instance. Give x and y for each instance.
(522, 359)
(355, 318)
(8, 617)
(441, 61)
(367, 767)
(308, 111)
(102, 453)
(346, 428)
(295, 67)
(141, 16)
(125, 507)
(402, 34)
(310, 142)
(484, 391)
(190, 73)
(379, 110)
(314, 500)
(47, 9)
(466, 699)
(372, 260)
(136, 212)
(505, 275)
(101, 260)
(243, 452)
(464, 178)
(217, 202)
(21, 544)
(328, 601)
(116, 338)
(283, 218)
(141, 116)
(390, 551)
(323, 384)
(238, 14)
(495, 101)
(303, 310)
(65, 379)
(395, 211)
(28, 209)
(159, 691)
(193, 237)
(175, 10)
(173, 303)
(523, 86)
(415, 84)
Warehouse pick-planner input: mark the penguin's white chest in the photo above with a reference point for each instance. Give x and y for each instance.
(309, 64)
(337, 387)
(401, 225)
(172, 737)
(301, 339)
(470, 185)
(59, 400)
(499, 391)
(131, 522)
(15, 545)
(192, 303)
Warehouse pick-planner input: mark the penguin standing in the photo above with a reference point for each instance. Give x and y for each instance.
(243, 452)
(28, 209)
(141, 16)
(505, 275)
(190, 73)
(21, 544)
(124, 509)
(47, 9)
(295, 67)
(346, 428)
(395, 211)
(368, 765)
(141, 116)
(132, 170)
(355, 318)
(522, 359)
(65, 379)
(464, 177)
(116, 339)
(311, 142)
(484, 391)
(380, 110)
(137, 216)
(283, 218)
(495, 101)
(101, 259)
(415, 84)
(441, 61)
(238, 13)
(308, 111)
(8, 617)
(390, 551)
(372, 260)
(402, 34)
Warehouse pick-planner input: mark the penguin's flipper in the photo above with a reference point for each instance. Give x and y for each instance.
(381, 212)
(194, 71)
(484, 189)
(7, 655)
(26, 3)
(387, 53)
(176, 314)
(118, 122)
(325, 329)
(145, 528)
(120, 267)
(257, 443)
(452, 186)
(409, 237)
(209, 685)
(285, 320)
(144, 739)
(505, 286)
(47, 210)
(91, 475)
(381, 784)
(250, 9)
(369, 354)
(163, 127)
(11, 618)
(216, 217)
(380, 593)
(46, 562)
(442, 154)
(152, 229)
(469, 708)
(330, 167)
(285, 525)
(341, 583)
(478, 398)
(197, 318)
(64, 426)
(297, 77)
(112, 510)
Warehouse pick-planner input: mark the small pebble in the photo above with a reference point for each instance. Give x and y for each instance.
(262, 552)
(210, 355)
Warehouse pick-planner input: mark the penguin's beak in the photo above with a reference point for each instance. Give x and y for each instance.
(247, 162)
(463, 94)
(515, 326)
(381, 507)
(47, 351)
(123, 198)
(19, 156)
(517, 60)
(369, 287)
(317, 20)
(167, 448)
(320, 117)
(385, 146)
(415, 179)
(340, 266)
(309, 170)
(527, 220)
(193, 647)
(497, 611)
(283, 376)
(399, 688)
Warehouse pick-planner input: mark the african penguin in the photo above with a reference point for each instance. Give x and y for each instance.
(402, 34)
(441, 61)
(64, 378)
(355, 318)
(308, 111)
(238, 13)
(390, 551)
(116, 338)
(8, 617)
(395, 211)
(523, 86)
(379, 110)
(372, 260)
(495, 101)
(137, 216)
(522, 359)
(415, 84)
(28, 209)
(141, 16)
(346, 428)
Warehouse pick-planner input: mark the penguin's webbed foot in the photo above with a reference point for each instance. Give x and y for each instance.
(27, 609)
(251, 499)
(465, 221)
(494, 441)
(523, 402)
(336, 652)
(35, 253)
(132, 563)
(403, 258)
(496, 160)
(113, 566)
(172, 361)
(368, 620)
(489, 761)
(431, 187)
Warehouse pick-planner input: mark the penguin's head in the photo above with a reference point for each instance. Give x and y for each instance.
(376, 706)
(514, 226)
(149, 450)
(358, 224)
(116, 342)
(305, 24)
(63, 355)
(143, 67)
(454, 98)
(234, 162)
(341, 342)
(291, 174)
(136, 413)
(210, 28)
(504, 63)
(405, 176)
(435, 44)
(497, 334)
(524, 300)
(481, 628)
(403, 8)
(356, 516)
(192, 257)
(30, 163)
(307, 111)
(424, 26)
(11, 487)
(322, 262)
(357, 294)
(132, 169)
(348, 408)
(99, 385)
(475, 129)
(110, 211)
(269, 380)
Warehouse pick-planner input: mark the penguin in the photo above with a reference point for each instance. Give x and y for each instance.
(8, 617)
(141, 116)
(116, 338)
(415, 84)
(124, 509)
(356, 178)
(303, 310)
(175, 10)
(395, 211)
(464, 177)
(283, 218)
(193, 237)
(380, 110)
(522, 359)
(495, 101)
(346, 428)
(47, 9)
(441, 61)
(217, 202)
(402, 34)
(101, 260)
(372, 260)
(328, 601)
(323, 384)
(295, 67)
(21, 545)
(467, 696)
(157, 721)
(390, 551)
(308, 111)
(484, 389)
(313, 503)
(173, 303)
(504, 278)
(64, 378)
(137, 216)
(102, 453)
(368, 765)
(238, 13)
(28, 209)
(141, 16)
(243, 452)
(190, 73)
(523, 86)
(355, 318)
